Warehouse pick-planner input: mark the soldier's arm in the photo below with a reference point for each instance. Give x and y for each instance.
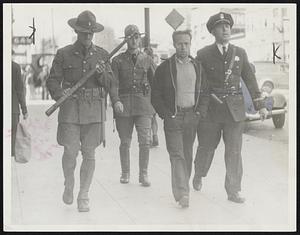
(251, 82)
(20, 89)
(113, 85)
(55, 77)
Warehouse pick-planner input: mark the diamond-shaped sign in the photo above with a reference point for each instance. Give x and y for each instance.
(174, 19)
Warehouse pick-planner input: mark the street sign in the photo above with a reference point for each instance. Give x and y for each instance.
(21, 40)
(174, 19)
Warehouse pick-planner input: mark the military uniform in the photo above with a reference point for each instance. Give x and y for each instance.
(227, 117)
(81, 116)
(134, 77)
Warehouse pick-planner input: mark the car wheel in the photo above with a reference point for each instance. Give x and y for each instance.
(278, 120)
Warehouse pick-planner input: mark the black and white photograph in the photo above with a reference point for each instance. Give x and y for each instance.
(149, 117)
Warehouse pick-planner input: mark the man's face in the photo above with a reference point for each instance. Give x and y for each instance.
(85, 38)
(182, 44)
(222, 32)
(134, 42)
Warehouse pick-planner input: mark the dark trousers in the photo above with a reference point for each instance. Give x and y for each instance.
(75, 137)
(125, 128)
(209, 135)
(180, 133)
(15, 118)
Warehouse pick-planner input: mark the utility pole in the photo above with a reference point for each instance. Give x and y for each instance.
(147, 28)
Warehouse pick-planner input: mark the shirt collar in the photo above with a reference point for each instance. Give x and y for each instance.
(220, 46)
(188, 60)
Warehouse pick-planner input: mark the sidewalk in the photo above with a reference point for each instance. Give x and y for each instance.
(38, 185)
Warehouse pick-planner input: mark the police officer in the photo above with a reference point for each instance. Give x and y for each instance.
(133, 71)
(225, 66)
(80, 117)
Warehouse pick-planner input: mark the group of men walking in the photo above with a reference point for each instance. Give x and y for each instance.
(179, 90)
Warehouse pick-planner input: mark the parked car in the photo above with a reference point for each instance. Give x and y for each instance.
(276, 103)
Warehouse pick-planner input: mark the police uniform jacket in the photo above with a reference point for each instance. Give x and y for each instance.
(163, 96)
(18, 90)
(230, 92)
(134, 83)
(70, 64)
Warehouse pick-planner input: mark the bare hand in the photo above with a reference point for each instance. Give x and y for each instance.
(65, 91)
(118, 106)
(263, 113)
(25, 116)
(101, 66)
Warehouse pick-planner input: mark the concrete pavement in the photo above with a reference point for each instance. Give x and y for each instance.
(38, 186)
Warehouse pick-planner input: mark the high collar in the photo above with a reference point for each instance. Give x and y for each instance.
(79, 48)
(130, 54)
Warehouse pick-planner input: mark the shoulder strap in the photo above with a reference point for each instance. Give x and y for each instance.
(229, 71)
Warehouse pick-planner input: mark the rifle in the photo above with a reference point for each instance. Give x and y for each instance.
(83, 79)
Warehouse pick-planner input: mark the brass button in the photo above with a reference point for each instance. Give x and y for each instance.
(84, 61)
(84, 70)
(225, 62)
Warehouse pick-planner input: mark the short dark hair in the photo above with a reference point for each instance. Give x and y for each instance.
(179, 32)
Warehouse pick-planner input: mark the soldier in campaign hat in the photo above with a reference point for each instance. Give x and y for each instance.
(134, 71)
(80, 117)
(225, 65)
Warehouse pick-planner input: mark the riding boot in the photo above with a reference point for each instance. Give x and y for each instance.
(125, 165)
(143, 165)
(86, 175)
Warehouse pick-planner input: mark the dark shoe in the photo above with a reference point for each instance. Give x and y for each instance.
(235, 197)
(124, 178)
(68, 196)
(197, 183)
(184, 202)
(83, 205)
(143, 179)
(154, 141)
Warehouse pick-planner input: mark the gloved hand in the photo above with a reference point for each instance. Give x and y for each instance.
(118, 107)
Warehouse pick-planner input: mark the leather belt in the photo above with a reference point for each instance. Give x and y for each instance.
(132, 90)
(185, 109)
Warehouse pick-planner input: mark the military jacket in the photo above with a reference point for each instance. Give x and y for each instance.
(134, 83)
(216, 67)
(70, 65)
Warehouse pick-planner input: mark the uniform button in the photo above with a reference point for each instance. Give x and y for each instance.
(91, 53)
(84, 61)
(225, 62)
(133, 86)
(134, 74)
(84, 70)
(173, 116)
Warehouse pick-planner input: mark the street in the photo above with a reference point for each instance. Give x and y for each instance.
(38, 185)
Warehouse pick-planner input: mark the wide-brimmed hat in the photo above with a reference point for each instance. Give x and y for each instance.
(86, 23)
(131, 29)
(221, 17)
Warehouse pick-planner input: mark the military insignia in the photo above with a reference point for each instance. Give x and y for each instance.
(236, 58)
(221, 16)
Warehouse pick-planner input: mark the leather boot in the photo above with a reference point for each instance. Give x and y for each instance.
(125, 165)
(86, 175)
(143, 164)
(68, 165)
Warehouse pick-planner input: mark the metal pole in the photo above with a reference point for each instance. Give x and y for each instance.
(147, 28)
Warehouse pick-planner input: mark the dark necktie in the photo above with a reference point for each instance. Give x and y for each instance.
(133, 57)
(224, 51)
